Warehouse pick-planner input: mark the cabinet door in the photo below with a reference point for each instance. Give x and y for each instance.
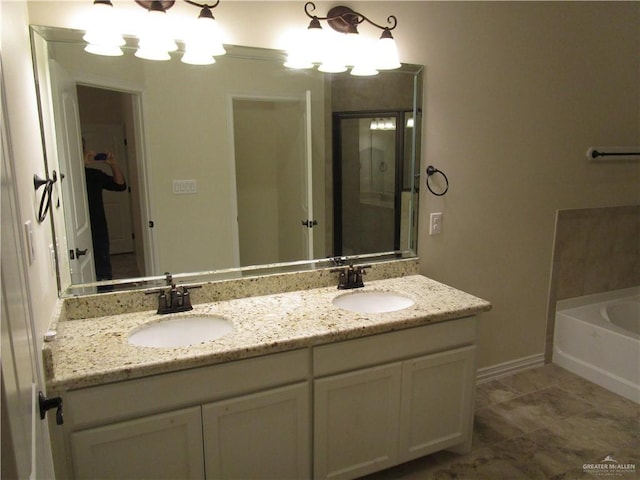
(159, 446)
(437, 402)
(356, 422)
(263, 435)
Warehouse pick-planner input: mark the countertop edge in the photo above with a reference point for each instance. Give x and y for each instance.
(469, 306)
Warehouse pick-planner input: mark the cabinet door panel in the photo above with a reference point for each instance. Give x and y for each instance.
(356, 422)
(437, 402)
(159, 446)
(263, 435)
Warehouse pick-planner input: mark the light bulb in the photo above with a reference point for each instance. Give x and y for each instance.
(102, 35)
(204, 38)
(155, 42)
(387, 52)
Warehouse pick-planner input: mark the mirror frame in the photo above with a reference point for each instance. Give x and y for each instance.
(73, 36)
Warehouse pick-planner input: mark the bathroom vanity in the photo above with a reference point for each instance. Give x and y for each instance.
(301, 388)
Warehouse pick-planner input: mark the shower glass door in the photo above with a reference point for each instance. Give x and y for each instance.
(367, 182)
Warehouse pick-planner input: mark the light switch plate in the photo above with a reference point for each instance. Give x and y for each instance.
(185, 187)
(28, 234)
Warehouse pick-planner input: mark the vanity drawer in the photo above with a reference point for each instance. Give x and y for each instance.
(387, 347)
(148, 395)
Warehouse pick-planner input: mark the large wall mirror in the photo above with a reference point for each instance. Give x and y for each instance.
(231, 168)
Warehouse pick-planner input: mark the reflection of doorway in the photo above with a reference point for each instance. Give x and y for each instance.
(117, 206)
(106, 118)
(272, 164)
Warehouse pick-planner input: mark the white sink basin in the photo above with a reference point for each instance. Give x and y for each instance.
(372, 302)
(180, 331)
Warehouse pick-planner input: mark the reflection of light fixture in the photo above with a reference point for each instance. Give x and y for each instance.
(155, 42)
(388, 123)
(203, 41)
(335, 52)
(103, 36)
(409, 122)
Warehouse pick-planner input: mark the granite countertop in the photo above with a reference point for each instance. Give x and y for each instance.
(93, 351)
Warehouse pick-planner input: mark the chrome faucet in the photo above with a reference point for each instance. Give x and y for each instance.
(350, 276)
(175, 298)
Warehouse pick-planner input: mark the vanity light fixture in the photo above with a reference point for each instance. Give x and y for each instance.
(202, 42)
(155, 41)
(334, 51)
(102, 35)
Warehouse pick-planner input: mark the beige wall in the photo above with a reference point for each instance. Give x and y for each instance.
(24, 143)
(515, 92)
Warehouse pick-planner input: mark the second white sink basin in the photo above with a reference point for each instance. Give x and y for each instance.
(373, 302)
(181, 331)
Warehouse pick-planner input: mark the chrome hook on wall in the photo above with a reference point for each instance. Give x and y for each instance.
(431, 170)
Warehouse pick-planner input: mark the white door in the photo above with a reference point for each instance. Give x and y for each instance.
(271, 145)
(74, 190)
(117, 205)
(26, 452)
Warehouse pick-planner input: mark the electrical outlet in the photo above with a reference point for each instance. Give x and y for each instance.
(435, 224)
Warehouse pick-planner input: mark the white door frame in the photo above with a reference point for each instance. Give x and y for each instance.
(306, 98)
(145, 186)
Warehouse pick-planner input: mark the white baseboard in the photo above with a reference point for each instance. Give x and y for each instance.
(494, 372)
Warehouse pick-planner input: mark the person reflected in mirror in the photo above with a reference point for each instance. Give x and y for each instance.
(97, 181)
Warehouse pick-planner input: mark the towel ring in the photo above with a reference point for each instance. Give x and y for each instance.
(45, 199)
(431, 170)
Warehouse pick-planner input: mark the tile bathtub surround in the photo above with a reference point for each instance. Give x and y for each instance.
(117, 303)
(545, 424)
(595, 250)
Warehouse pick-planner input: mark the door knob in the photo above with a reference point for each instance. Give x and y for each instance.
(80, 253)
(49, 403)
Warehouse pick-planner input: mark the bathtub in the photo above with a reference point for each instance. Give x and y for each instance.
(598, 338)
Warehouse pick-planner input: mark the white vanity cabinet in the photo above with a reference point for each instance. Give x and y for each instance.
(241, 419)
(387, 399)
(262, 435)
(336, 410)
(167, 445)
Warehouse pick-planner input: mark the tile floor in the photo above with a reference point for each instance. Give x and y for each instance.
(544, 423)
